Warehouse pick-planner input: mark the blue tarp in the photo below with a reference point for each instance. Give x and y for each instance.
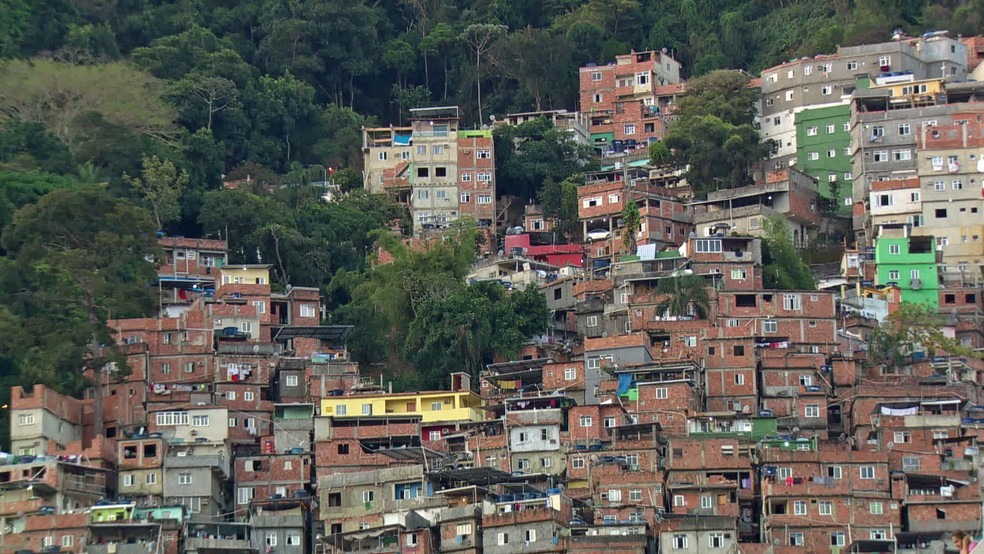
(624, 383)
(402, 140)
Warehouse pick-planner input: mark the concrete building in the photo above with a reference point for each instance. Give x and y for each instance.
(626, 102)
(440, 171)
(909, 263)
(823, 151)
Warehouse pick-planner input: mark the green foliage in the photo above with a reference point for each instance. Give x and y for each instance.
(559, 201)
(783, 268)
(912, 328)
(659, 154)
(715, 135)
(631, 219)
(528, 155)
(684, 295)
(21, 188)
(160, 185)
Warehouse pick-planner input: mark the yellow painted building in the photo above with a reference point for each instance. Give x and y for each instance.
(924, 91)
(244, 274)
(432, 407)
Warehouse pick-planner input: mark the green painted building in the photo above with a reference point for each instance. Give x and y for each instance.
(910, 263)
(823, 138)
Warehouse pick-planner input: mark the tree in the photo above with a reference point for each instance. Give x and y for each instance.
(89, 250)
(21, 188)
(715, 135)
(61, 96)
(480, 37)
(160, 185)
(632, 220)
(783, 268)
(685, 295)
(538, 61)
(438, 41)
(909, 329)
(659, 154)
(559, 202)
(399, 56)
(527, 155)
(214, 93)
(410, 97)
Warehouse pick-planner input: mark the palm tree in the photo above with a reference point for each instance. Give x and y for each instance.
(685, 295)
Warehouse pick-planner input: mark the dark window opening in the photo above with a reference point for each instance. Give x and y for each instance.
(440, 172)
(745, 301)
(423, 172)
(739, 350)
(343, 449)
(558, 293)
(150, 451)
(923, 245)
(677, 453)
(950, 298)
(110, 432)
(940, 213)
(129, 452)
(971, 298)
(334, 499)
(710, 350)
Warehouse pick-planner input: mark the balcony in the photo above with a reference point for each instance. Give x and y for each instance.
(932, 420)
(195, 543)
(733, 213)
(249, 349)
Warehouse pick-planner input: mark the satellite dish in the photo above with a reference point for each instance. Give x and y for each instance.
(492, 118)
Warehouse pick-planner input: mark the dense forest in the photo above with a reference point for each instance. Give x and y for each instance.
(120, 118)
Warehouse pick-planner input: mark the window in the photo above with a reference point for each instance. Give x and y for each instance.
(271, 538)
(812, 131)
(910, 463)
(831, 128)
(791, 302)
(734, 323)
(826, 90)
(368, 497)
(172, 418)
(128, 480)
(956, 184)
(483, 154)
(847, 127)
(249, 396)
(826, 508)
(881, 156)
(902, 155)
(189, 367)
(789, 96)
(796, 539)
(738, 350)
(577, 463)
(812, 410)
(367, 409)
(630, 129)
(165, 368)
(585, 421)
(813, 156)
(570, 374)
(708, 246)
(904, 129)
(614, 495)
(290, 380)
(914, 197)
(834, 472)
(706, 502)
(879, 535)
(715, 540)
(893, 275)
(484, 199)
(502, 539)
(852, 65)
(769, 102)
(662, 393)
(383, 156)
(867, 472)
(799, 508)
(885, 61)
(838, 538)
(595, 76)
(679, 542)
(25, 419)
(785, 472)
(592, 321)
(635, 495)
(940, 213)
(609, 422)
(308, 310)
(423, 172)
(739, 274)
(770, 326)
(294, 539)
(642, 79)
(942, 241)
(184, 478)
(530, 535)
(679, 500)
(150, 479)
(68, 540)
(244, 495)
(423, 194)
(199, 421)
(739, 379)
(876, 508)
(465, 198)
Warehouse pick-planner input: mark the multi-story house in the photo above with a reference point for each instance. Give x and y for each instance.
(823, 151)
(131, 529)
(186, 272)
(785, 192)
(440, 171)
(41, 421)
(820, 81)
(952, 204)
(626, 102)
(140, 468)
(281, 525)
(909, 263)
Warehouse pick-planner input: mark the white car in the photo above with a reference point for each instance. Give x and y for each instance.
(599, 234)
